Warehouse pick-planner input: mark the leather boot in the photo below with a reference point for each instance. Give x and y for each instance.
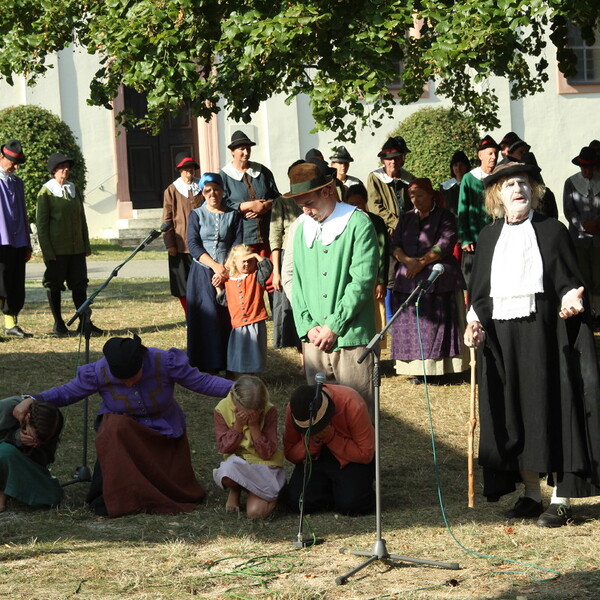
(59, 327)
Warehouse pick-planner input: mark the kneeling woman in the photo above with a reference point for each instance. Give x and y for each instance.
(142, 446)
(28, 443)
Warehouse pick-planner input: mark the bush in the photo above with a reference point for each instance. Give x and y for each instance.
(41, 133)
(433, 136)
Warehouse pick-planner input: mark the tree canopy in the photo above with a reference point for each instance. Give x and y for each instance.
(341, 53)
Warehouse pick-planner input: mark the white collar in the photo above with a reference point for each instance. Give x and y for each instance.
(58, 190)
(479, 173)
(330, 229)
(4, 176)
(583, 185)
(253, 170)
(385, 178)
(448, 184)
(184, 189)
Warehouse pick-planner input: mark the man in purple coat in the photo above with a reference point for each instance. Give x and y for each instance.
(15, 245)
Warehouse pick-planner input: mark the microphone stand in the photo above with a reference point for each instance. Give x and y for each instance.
(84, 313)
(301, 541)
(379, 550)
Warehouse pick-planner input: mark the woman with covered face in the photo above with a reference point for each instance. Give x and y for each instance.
(537, 368)
(213, 229)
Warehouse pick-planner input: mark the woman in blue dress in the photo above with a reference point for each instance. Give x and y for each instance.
(213, 229)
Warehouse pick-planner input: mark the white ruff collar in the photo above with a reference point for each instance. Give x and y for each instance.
(517, 272)
(184, 189)
(253, 170)
(583, 185)
(330, 229)
(57, 189)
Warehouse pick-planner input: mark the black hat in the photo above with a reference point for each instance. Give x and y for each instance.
(239, 138)
(13, 151)
(487, 142)
(394, 146)
(306, 177)
(341, 155)
(506, 169)
(55, 159)
(518, 143)
(125, 356)
(587, 157)
(186, 161)
(300, 408)
(509, 139)
(313, 154)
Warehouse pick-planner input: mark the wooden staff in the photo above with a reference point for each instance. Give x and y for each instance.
(472, 425)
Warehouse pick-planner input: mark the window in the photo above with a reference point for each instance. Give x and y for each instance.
(588, 57)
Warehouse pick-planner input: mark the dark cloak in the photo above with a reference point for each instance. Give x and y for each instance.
(539, 389)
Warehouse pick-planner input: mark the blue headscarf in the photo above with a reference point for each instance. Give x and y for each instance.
(210, 178)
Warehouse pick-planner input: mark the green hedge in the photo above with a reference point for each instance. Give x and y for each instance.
(433, 135)
(41, 133)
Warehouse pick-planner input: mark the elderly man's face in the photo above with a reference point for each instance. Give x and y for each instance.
(488, 157)
(393, 165)
(318, 205)
(515, 192)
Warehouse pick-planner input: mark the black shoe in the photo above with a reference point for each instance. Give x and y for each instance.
(60, 329)
(525, 508)
(556, 515)
(415, 380)
(17, 332)
(94, 331)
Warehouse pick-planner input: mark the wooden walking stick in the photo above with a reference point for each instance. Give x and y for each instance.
(472, 425)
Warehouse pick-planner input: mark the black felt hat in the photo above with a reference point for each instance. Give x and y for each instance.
(510, 138)
(587, 157)
(518, 143)
(341, 155)
(506, 169)
(55, 159)
(487, 142)
(239, 138)
(125, 356)
(459, 157)
(13, 151)
(300, 402)
(394, 146)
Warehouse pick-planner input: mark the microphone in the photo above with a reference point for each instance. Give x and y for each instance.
(437, 270)
(155, 233)
(320, 379)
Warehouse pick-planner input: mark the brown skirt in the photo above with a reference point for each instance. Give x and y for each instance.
(144, 471)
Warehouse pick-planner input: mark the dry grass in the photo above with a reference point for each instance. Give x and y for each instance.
(69, 553)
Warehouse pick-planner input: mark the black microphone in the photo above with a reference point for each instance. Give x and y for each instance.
(437, 270)
(156, 233)
(320, 379)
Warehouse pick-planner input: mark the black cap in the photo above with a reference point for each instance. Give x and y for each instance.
(125, 356)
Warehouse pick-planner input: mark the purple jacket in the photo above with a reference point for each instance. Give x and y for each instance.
(151, 401)
(14, 227)
(417, 237)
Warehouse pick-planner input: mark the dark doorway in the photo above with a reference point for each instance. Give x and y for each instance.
(151, 158)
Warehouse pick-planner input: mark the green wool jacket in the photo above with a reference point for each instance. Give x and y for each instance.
(472, 217)
(333, 285)
(61, 224)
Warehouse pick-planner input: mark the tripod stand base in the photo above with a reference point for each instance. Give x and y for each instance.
(81, 475)
(308, 542)
(379, 552)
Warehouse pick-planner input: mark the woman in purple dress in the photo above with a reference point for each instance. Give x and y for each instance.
(425, 236)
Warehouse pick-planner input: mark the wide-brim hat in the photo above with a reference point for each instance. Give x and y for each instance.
(510, 138)
(314, 154)
(186, 162)
(13, 151)
(587, 157)
(459, 157)
(55, 159)
(125, 356)
(518, 144)
(487, 142)
(394, 146)
(300, 402)
(307, 177)
(341, 155)
(507, 169)
(239, 138)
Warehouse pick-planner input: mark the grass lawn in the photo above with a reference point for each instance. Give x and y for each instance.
(69, 553)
